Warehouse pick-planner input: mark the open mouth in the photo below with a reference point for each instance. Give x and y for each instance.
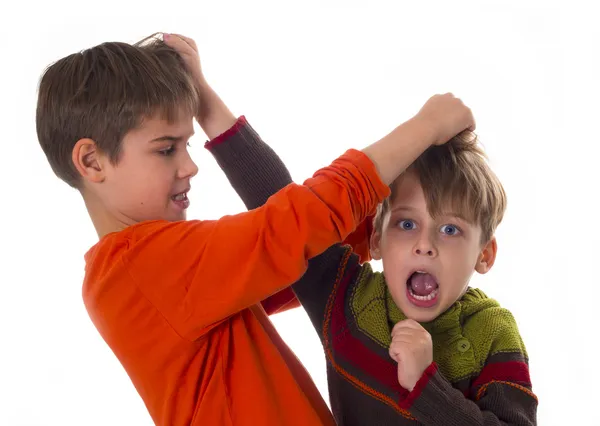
(181, 200)
(179, 197)
(422, 289)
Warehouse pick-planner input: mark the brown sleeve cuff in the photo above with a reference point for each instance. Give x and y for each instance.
(223, 137)
(435, 401)
(408, 399)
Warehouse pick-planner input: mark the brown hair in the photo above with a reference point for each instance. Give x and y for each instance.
(456, 175)
(106, 91)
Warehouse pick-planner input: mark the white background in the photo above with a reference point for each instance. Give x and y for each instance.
(316, 78)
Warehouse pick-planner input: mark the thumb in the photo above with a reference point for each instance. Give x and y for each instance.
(394, 354)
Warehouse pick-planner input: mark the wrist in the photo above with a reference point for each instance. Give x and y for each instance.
(425, 131)
(206, 97)
(411, 395)
(202, 85)
(213, 116)
(410, 386)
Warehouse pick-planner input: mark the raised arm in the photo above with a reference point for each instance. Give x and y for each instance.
(238, 261)
(256, 172)
(262, 251)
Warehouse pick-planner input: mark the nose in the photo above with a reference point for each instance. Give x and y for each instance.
(424, 246)
(188, 169)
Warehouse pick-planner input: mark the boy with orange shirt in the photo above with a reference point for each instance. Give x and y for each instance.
(178, 301)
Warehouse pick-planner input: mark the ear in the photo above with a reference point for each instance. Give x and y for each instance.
(487, 257)
(375, 245)
(88, 160)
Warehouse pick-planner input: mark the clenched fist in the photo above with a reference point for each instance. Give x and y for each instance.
(187, 49)
(447, 116)
(411, 348)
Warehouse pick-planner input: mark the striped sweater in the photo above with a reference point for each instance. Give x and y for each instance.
(480, 373)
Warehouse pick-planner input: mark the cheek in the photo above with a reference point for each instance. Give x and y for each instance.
(394, 253)
(139, 183)
(461, 257)
(392, 241)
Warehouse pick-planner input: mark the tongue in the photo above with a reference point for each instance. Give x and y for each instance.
(422, 284)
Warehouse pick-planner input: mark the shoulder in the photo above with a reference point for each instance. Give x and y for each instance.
(368, 286)
(494, 327)
(163, 229)
(142, 240)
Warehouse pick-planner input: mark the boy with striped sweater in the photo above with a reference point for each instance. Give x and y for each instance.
(414, 344)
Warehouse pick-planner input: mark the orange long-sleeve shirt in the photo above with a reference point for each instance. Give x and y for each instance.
(179, 303)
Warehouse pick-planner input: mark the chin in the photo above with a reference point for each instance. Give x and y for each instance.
(175, 216)
(419, 316)
(417, 313)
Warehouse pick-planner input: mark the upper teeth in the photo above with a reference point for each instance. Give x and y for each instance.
(179, 197)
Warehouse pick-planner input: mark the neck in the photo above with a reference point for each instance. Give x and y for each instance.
(104, 222)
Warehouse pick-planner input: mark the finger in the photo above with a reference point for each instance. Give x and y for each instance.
(407, 323)
(405, 340)
(394, 354)
(177, 43)
(189, 41)
(470, 120)
(402, 331)
(473, 126)
(411, 337)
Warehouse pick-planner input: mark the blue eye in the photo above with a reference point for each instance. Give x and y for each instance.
(449, 230)
(407, 225)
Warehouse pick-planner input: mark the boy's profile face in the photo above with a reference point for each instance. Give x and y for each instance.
(152, 177)
(427, 261)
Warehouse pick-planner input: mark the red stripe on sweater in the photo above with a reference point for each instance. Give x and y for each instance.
(339, 290)
(226, 134)
(280, 302)
(353, 350)
(407, 402)
(510, 371)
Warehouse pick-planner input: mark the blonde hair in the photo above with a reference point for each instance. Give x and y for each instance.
(456, 175)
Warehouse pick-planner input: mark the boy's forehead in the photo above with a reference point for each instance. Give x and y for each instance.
(408, 194)
(155, 127)
(407, 187)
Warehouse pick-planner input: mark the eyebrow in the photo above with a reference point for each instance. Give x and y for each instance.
(403, 208)
(447, 214)
(170, 138)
